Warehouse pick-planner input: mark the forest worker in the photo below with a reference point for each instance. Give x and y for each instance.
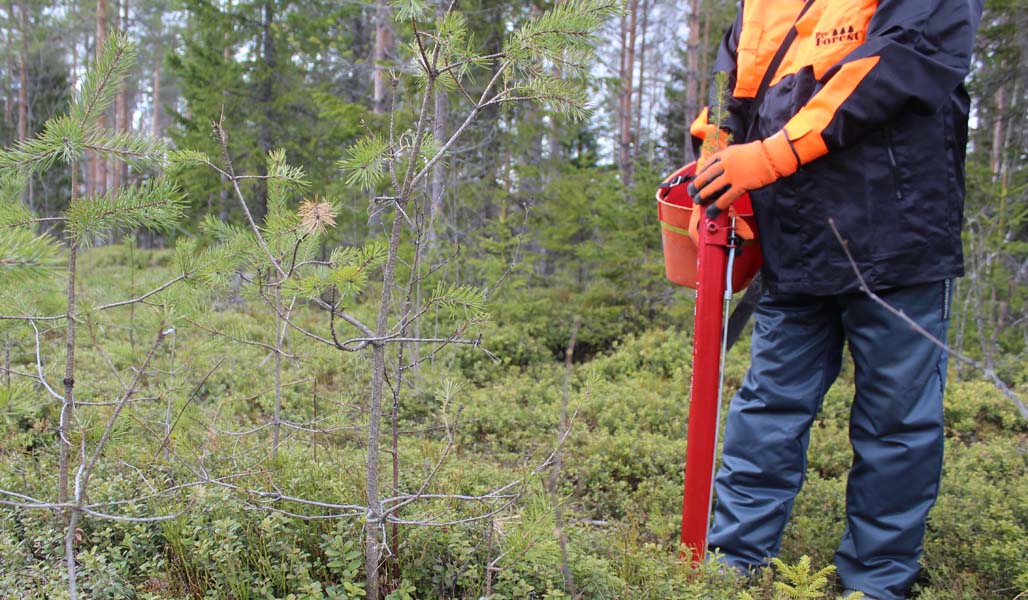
(851, 110)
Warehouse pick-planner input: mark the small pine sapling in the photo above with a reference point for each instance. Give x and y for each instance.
(800, 582)
(719, 116)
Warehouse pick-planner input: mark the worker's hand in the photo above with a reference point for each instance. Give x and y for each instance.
(738, 169)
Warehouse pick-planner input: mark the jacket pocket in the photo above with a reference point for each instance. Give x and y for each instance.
(893, 165)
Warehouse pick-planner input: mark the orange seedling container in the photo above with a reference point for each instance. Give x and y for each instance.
(674, 209)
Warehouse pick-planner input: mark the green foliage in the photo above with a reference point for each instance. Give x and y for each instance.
(284, 181)
(180, 159)
(557, 93)
(978, 530)
(676, 116)
(365, 162)
(719, 111)
(137, 149)
(103, 79)
(465, 300)
(620, 487)
(25, 255)
(62, 139)
(306, 98)
(458, 52)
(800, 582)
(212, 268)
(565, 35)
(222, 231)
(65, 138)
(347, 273)
(155, 204)
(12, 182)
(408, 10)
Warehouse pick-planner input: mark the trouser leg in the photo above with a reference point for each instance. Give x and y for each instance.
(795, 355)
(896, 428)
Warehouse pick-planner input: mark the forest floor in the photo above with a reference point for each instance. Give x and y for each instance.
(477, 438)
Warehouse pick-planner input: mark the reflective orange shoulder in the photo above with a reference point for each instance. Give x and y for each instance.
(828, 31)
(765, 23)
(826, 34)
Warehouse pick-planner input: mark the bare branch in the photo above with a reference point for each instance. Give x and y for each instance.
(138, 300)
(109, 517)
(156, 290)
(87, 470)
(39, 368)
(219, 133)
(196, 392)
(987, 372)
(262, 345)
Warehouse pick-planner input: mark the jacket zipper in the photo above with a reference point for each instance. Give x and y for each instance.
(895, 167)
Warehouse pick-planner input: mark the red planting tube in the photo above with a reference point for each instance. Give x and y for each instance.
(704, 402)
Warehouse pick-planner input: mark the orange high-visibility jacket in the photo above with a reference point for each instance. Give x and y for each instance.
(870, 95)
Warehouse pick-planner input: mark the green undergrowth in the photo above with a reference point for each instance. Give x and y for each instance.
(620, 486)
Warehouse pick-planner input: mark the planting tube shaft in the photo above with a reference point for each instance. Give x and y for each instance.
(716, 241)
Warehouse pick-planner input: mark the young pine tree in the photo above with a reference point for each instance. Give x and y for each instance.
(28, 255)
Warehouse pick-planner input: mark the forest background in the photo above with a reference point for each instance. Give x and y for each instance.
(252, 240)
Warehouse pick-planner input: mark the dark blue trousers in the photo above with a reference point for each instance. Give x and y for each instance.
(896, 429)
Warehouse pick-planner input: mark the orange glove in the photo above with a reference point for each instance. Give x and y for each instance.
(739, 169)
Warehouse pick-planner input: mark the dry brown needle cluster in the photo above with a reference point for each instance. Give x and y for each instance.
(316, 216)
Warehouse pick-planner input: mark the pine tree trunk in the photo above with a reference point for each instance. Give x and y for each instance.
(23, 75)
(155, 125)
(642, 70)
(703, 76)
(375, 527)
(9, 121)
(23, 91)
(100, 170)
(268, 99)
(556, 150)
(1014, 136)
(119, 169)
(68, 406)
(23, 81)
(692, 77)
(223, 195)
(998, 134)
(383, 50)
(627, 79)
(86, 164)
(622, 74)
(114, 183)
(439, 122)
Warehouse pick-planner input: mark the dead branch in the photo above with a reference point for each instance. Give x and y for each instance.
(39, 367)
(987, 372)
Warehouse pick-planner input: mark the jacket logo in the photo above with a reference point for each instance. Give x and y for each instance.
(836, 36)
